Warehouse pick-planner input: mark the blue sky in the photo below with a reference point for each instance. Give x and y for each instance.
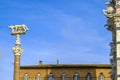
(69, 30)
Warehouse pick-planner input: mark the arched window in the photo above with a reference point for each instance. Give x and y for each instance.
(76, 76)
(38, 77)
(88, 76)
(101, 77)
(51, 77)
(63, 76)
(26, 77)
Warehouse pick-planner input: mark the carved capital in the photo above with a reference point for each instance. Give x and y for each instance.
(17, 50)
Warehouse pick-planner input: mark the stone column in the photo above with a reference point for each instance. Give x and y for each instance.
(17, 30)
(16, 67)
(117, 25)
(17, 53)
(113, 25)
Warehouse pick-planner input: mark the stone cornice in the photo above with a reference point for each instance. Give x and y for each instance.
(66, 66)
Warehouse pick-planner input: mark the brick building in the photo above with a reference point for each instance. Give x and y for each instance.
(65, 72)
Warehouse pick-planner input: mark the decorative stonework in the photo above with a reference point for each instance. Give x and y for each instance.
(18, 42)
(113, 48)
(18, 30)
(117, 21)
(112, 22)
(17, 50)
(118, 3)
(110, 9)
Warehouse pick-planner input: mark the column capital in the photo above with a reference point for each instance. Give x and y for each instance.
(17, 50)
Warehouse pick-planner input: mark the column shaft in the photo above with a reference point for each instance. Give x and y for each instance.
(16, 67)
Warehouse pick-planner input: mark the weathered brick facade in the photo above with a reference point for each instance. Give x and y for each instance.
(68, 69)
